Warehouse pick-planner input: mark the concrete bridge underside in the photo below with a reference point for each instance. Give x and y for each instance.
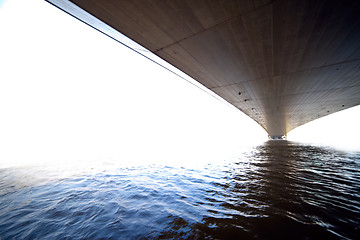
(282, 62)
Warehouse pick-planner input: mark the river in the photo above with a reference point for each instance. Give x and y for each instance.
(277, 190)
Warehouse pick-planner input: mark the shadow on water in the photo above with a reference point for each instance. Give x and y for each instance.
(279, 190)
(284, 190)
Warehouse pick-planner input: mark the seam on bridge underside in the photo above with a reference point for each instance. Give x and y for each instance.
(294, 94)
(212, 27)
(288, 73)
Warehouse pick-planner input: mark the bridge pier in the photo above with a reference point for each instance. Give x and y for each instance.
(279, 137)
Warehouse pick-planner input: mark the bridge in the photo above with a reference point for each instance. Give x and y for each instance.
(282, 62)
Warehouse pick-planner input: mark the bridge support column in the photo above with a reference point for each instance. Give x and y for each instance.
(279, 137)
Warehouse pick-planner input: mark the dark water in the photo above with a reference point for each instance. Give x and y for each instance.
(279, 190)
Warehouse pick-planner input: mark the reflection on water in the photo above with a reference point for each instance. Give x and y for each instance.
(274, 191)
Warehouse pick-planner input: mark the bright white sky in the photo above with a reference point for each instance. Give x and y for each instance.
(69, 93)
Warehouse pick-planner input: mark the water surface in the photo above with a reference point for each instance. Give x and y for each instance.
(279, 190)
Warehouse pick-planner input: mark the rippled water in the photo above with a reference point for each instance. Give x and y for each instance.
(279, 190)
